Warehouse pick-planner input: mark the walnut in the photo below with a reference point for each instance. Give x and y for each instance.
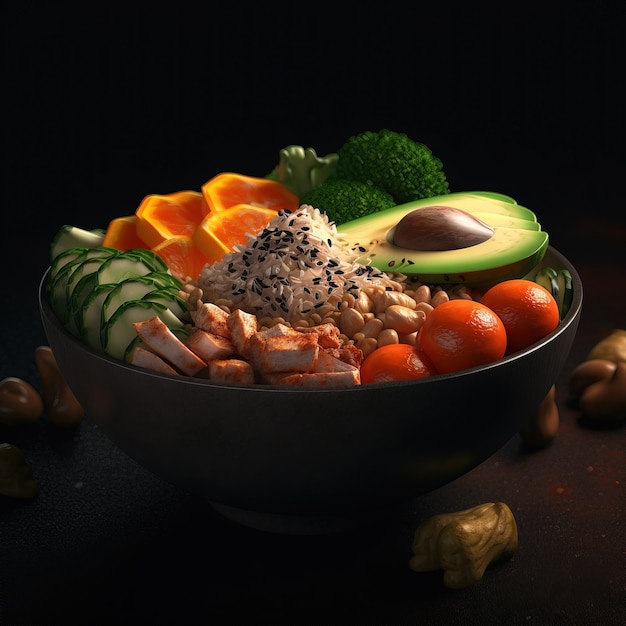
(464, 543)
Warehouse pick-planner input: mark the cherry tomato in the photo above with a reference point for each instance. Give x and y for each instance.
(396, 361)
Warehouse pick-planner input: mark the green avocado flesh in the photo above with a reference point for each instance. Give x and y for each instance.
(517, 245)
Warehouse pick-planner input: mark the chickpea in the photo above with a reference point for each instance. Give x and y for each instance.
(403, 319)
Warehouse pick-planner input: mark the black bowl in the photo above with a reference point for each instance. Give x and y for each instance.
(298, 460)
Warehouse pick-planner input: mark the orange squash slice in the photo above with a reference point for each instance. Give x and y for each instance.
(229, 189)
(184, 259)
(161, 217)
(121, 234)
(220, 231)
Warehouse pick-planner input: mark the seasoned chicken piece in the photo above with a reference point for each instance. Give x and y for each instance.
(165, 343)
(314, 380)
(327, 334)
(148, 359)
(209, 346)
(231, 371)
(295, 352)
(328, 362)
(211, 318)
(328, 372)
(348, 353)
(242, 326)
(278, 329)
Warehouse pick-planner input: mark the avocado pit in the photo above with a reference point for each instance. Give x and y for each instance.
(440, 227)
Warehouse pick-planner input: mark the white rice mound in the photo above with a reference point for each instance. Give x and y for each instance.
(297, 266)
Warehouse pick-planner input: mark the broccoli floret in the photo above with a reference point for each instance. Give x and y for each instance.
(345, 200)
(301, 169)
(392, 161)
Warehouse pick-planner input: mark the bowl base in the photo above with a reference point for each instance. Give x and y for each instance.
(305, 524)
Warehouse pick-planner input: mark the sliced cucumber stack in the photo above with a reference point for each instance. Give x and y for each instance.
(135, 288)
(559, 284)
(98, 292)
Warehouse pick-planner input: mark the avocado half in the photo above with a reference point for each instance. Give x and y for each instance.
(517, 245)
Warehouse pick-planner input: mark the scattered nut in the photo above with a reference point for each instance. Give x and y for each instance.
(606, 398)
(464, 543)
(16, 477)
(599, 383)
(543, 424)
(59, 401)
(20, 402)
(612, 348)
(589, 372)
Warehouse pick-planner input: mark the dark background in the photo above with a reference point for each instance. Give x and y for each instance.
(103, 106)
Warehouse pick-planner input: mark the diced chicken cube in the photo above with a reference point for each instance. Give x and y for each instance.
(315, 380)
(148, 359)
(231, 371)
(209, 346)
(283, 353)
(242, 326)
(165, 343)
(327, 362)
(211, 318)
(328, 335)
(348, 353)
(278, 330)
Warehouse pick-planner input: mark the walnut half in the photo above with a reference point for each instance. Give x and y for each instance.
(464, 543)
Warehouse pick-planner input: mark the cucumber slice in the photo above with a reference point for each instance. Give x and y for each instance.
(149, 258)
(90, 324)
(135, 288)
(566, 291)
(172, 300)
(118, 332)
(122, 266)
(560, 284)
(61, 260)
(90, 263)
(57, 286)
(547, 277)
(81, 293)
(167, 279)
(89, 304)
(73, 237)
(63, 282)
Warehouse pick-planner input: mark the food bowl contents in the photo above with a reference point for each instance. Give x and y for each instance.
(460, 334)
(16, 475)
(297, 254)
(527, 310)
(371, 171)
(598, 384)
(464, 543)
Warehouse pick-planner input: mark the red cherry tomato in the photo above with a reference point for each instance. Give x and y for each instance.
(396, 361)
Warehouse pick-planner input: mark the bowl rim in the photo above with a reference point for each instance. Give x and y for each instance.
(50, 317)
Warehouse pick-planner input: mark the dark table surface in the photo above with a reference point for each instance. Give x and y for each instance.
(526, 101)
